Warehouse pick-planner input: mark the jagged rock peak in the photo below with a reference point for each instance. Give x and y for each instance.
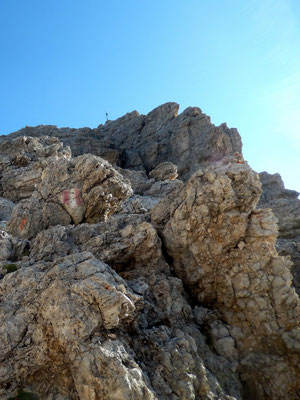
(120, 280)
(141, 142)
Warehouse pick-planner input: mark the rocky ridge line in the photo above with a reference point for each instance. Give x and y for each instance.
(128, 283)
(141, 142)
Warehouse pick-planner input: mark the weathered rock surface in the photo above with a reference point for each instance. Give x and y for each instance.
(141, 142)
(286, 207)
(85, 188)
(123, 282)
(22, 161)
(164, 171)
(116, 338)
(55, 326)
(6, 208)
(12, 249)
(284, 203)
(224, 250)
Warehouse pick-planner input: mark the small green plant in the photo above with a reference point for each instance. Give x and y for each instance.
(24, 396)
(10, 268)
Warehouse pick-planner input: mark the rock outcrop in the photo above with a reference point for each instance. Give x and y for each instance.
(164, 171)
(85, 188)
(22, 161)
(286, 207)
(120, 281)
(51, 333)
(224, 250)
(189, 140)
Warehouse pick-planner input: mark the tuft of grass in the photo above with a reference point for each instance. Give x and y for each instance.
(24, 396)
(10, 268)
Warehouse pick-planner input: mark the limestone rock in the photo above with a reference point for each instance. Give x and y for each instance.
(141, 142)
(124, 242)
(131, 246)
(22, 161)
(55, 326)
(12, 249)
(291, 248)
(52, 243)
(138, 180)
(124, 284)
(5, 246)
(66, 322)
(6, 207)
(163, 171)
(147, 192)
(85, 188)
(143, 186)
(33, 215)
(138, 204)
(284, 203)
(286, 206)
(224, 250)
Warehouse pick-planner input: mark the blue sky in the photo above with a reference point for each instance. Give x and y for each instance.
(68, 62)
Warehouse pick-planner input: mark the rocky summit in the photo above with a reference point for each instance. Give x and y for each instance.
(146, 260)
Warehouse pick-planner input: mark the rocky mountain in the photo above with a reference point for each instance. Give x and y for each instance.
(141, 142)
(140, 260)
(286, 207)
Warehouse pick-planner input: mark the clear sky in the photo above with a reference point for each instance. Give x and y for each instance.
(68, 62)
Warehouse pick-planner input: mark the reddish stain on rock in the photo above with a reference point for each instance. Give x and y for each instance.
(107, 287)
(23, 223)
(72, 197)
(65, 197)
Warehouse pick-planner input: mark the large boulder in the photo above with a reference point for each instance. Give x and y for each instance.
(223, 248)
(50, 313)
(22, 161)
(124, 242)
(83, 189)
(73, 328)
(163, 171)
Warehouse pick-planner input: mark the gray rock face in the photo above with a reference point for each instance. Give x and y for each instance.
(164, 171)
(11, 249)
(284, 203)
(6, 208)
(286, 207)
(22, 161)
(189, 140)
(85, 188)
(123, 282)
(71, 300)
(224, 251)
(129, 335)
